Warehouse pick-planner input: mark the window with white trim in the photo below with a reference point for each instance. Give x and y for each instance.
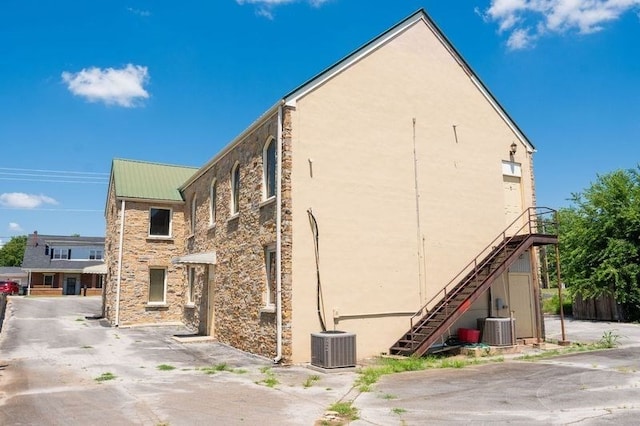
(60, 254)
(157, 285)
(159, 222)
(269, 169)
(270, 270)
(213, 194)
(194, 211)
(235, 189)
(192, 285)
(95, 254)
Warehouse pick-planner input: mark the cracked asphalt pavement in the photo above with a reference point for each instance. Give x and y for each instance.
(51, 354)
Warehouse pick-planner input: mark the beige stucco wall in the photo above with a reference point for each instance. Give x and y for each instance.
(353, 164)
(140, 253)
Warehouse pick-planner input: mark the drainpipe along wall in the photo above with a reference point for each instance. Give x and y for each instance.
(119, 279)
(279, 240)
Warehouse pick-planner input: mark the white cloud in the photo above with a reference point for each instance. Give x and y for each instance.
(20, 200)
(121, 87)
(265, 7)
(14, 227)
(527, 20)
(139, 12)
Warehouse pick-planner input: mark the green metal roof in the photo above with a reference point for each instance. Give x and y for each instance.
(149, 181)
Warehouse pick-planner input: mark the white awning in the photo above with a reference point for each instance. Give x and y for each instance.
(95, 269)
(208, 258)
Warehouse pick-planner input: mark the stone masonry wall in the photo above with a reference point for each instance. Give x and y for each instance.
(240, 317)
(140, 254)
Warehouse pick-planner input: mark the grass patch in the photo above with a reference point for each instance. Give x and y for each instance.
(370, 375)
(608, 340)
(398, 411)
(105, 377)
(270, 380)
(223, 366)
(165, 367)
(310, 381)
(345, 410)
(388, 396)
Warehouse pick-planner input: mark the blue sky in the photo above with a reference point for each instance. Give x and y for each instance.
(173, 82)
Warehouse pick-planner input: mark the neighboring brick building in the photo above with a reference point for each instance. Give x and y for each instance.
(349, 204)
(60, 265)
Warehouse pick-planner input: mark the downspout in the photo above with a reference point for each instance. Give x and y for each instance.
(279, 139)
(117, 321)
(29, 284)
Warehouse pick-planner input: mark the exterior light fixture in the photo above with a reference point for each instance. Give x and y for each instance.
(513, 149)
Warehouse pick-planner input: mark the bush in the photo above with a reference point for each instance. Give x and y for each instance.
(551, 305)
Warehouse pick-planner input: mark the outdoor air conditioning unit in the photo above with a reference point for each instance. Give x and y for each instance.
(498, 331)
(333, 349)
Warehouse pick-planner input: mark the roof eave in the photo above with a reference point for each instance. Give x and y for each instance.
(260, 120)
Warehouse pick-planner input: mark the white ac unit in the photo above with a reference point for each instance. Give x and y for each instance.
(498, 331)
(333, 349)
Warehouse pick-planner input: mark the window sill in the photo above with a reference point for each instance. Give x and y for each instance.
(156, 305)
(233, 217)
(211, 227)
(190, 305)
(268, 310)
(267, 202)
(159, 238)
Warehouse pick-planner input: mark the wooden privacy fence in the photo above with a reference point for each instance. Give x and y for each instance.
(602, 308)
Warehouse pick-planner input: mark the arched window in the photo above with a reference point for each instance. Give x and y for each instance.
(212, 202)
(235, 189)
(269, 168)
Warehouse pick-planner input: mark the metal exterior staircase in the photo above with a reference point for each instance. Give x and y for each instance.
(534, 227)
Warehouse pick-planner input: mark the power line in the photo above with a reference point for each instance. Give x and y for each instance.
(53, 176)
(54, 171)
(53, 210)
(52, 180)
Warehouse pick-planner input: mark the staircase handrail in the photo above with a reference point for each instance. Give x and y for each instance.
(536, 221)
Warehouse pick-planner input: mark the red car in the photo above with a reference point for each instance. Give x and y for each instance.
(9, 287)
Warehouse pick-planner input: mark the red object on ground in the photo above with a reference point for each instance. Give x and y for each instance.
(468, 335)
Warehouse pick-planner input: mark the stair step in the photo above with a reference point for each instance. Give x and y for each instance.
(399, 350)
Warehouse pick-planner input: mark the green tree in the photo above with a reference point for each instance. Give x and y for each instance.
(600, 240)
(11, 253)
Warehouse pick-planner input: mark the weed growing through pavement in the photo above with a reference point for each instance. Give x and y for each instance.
(165, 367)
(223, 366)
(79, 319)
(87, 347)
(270, 380)
(370, 375)
(310, 381)
(398, 411)
(609, 340)
(104, 377)
(388, 396)
(345, 410)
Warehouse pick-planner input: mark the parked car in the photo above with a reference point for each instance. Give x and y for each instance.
(9, 287)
